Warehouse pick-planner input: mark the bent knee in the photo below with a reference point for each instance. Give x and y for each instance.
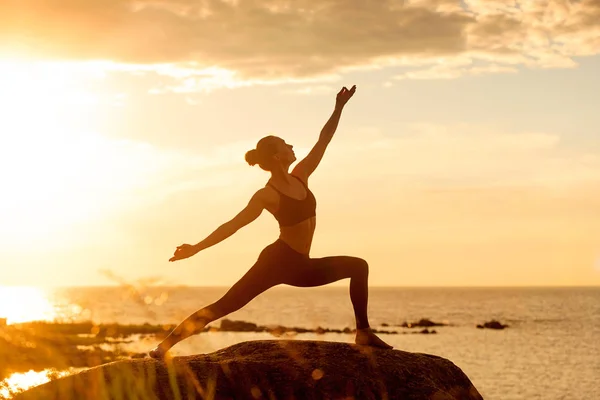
(361, 266)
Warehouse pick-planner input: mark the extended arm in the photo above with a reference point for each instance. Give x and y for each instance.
(248, 214)
(308, 165)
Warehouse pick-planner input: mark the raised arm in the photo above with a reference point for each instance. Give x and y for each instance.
(308, 165)
(252, 210)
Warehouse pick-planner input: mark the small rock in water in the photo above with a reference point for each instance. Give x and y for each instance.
(426, 331)
(493, 324)
(277, 330)
(237, 326)
(422, 323)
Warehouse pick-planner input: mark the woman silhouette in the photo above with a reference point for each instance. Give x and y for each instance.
(287, 260)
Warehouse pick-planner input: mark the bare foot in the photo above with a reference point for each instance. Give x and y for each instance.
(157, 353)
(366, 337)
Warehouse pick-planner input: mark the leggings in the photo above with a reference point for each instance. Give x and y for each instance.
(279, 264)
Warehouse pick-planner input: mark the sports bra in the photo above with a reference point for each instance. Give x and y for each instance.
(292, 211)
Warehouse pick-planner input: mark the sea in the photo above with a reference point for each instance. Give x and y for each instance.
(550, 349)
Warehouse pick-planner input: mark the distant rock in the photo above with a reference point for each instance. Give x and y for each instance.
(279, 330)
(493, 324)
(277, 369)
(422, 323)
(237, 326)
(427, 331)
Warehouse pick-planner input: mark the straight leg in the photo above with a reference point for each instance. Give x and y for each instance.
(253, 283)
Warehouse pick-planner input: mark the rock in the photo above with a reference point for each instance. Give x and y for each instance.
(493, 324)
(427, 331)
(300, 330)
(237, 326)
(424, 331)
(271, 369)
(277, 330)
(384, 332)
(422, 323)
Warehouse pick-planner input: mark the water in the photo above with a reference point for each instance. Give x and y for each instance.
(550, 351)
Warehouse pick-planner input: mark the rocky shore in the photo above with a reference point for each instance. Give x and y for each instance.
(279, 369)
(42, 345)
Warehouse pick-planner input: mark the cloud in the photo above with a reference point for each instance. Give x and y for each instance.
(256, 37)
(466, 156)
(454, 68)
(274, 40)
(313, 90)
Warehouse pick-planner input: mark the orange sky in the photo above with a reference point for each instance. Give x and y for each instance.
(470, 154)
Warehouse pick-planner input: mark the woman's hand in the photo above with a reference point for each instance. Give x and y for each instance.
(343, 96)
(184, 251)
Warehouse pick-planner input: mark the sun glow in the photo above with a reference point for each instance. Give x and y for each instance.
(57, 171)
(39, 151)
(19, 382)
(24, 304)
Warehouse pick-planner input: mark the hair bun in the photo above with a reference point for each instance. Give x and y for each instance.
(252, 157)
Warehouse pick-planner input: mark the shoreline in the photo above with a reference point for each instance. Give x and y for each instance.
(40, 345)
(53, 349)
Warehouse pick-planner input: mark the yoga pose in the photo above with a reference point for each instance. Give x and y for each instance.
(287, 260)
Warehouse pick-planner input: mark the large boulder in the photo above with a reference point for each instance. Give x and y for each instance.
(271, 369)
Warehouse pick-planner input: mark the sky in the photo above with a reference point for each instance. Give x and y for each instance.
(469, 155)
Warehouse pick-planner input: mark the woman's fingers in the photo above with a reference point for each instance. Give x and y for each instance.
(179, 252)
(345, 89)
(176, 253)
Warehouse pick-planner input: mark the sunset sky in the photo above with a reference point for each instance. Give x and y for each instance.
(469, 155)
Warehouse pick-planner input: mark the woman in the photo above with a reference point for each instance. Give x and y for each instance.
(287, 260)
